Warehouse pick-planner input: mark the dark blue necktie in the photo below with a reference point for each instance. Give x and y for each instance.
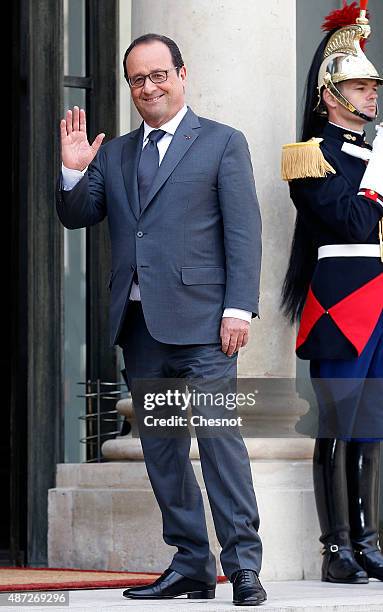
(148, 166)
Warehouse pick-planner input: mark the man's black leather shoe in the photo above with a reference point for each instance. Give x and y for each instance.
(172, 584)
(247, 589)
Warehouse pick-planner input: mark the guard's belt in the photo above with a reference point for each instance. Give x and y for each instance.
(349, 250)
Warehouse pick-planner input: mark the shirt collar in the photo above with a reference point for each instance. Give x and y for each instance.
(170, 126)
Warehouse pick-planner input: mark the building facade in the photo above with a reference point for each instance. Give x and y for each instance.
(246, 65)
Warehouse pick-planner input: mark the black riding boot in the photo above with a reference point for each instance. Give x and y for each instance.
(363, 463)
(330, 486)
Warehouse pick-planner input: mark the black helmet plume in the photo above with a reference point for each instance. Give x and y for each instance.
(303, 253)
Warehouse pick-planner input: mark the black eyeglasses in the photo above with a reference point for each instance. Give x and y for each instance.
(159, 76)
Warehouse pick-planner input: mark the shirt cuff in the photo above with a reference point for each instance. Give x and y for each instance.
(71, 177)
(237, 313)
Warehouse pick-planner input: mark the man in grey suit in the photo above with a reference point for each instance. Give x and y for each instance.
(185, 230)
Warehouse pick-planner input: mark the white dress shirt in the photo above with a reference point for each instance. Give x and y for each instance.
(72, 177)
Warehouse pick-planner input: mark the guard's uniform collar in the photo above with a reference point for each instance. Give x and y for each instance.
(344, 135)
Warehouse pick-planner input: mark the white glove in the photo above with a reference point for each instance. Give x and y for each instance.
(373, 177)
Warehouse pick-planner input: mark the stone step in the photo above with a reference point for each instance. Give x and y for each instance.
(292, 596)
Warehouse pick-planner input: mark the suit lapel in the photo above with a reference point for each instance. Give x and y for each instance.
(185, 135)
(129, 163)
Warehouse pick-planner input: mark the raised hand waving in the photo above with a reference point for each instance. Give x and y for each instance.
(76, 152)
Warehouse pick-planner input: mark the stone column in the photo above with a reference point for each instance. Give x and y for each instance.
(241, 61)
(241, 66)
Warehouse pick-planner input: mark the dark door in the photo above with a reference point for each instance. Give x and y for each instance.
(32, 415)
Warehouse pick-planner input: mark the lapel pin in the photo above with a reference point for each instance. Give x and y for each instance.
(187, 137)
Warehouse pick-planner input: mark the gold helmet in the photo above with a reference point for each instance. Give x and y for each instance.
(343, 57)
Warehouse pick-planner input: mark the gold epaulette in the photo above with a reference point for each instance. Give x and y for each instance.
(304, 160)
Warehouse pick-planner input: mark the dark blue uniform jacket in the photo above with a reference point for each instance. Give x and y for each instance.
(345, 299)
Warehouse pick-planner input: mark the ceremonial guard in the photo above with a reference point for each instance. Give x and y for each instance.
(334, 286)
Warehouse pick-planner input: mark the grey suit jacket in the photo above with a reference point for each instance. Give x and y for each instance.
(196, 244)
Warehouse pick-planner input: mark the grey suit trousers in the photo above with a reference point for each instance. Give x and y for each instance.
(224, 459)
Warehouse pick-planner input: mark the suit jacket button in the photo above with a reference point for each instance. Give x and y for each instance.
(140, 234)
